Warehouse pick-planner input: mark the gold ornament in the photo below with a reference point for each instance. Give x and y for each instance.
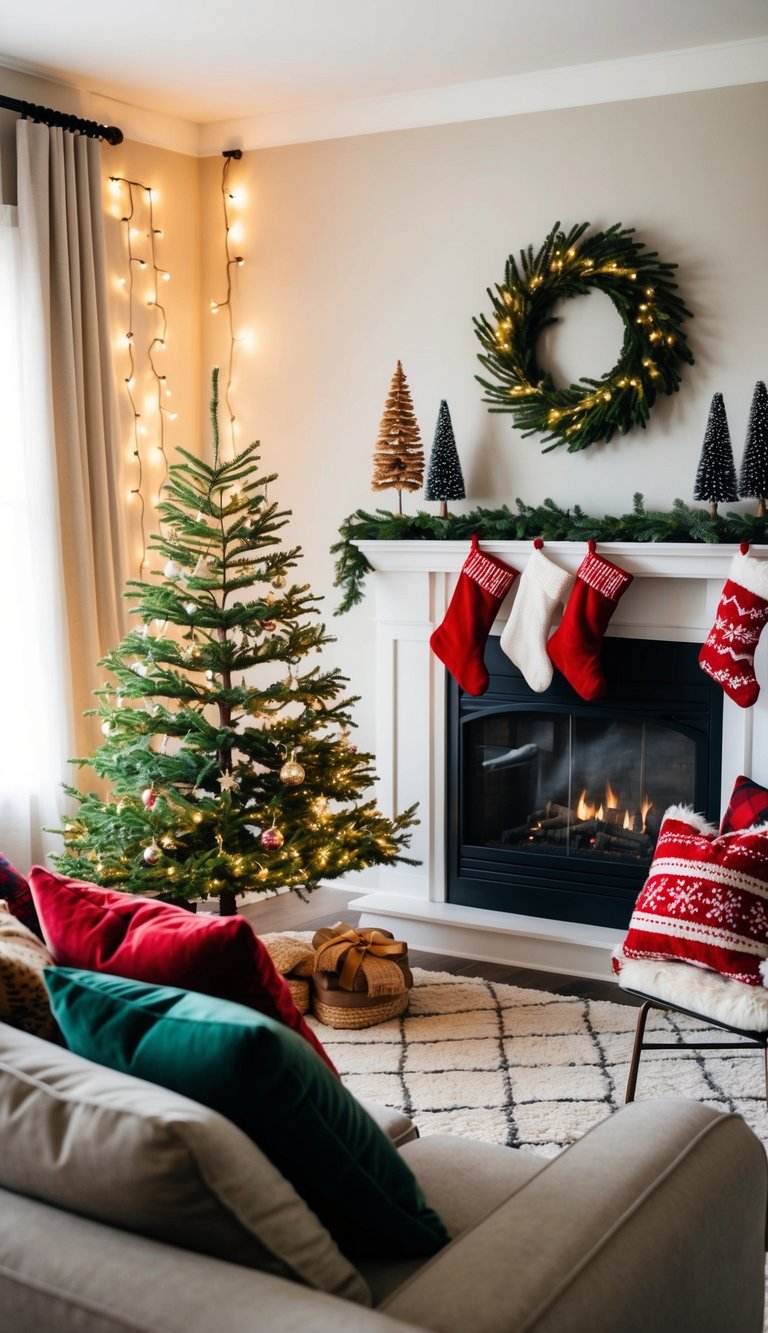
(292, 773)
(279, 581)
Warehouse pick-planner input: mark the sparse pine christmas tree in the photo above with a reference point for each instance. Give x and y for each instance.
(227, 755)
(753, 479)
(716, 477)
(398, 459)
(444, 479)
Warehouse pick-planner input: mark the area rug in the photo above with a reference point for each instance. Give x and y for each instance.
(529, 1068)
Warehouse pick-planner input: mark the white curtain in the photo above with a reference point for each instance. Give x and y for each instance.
(60, 551)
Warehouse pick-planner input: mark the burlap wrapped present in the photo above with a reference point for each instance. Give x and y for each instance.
(360, 977)
(294, 958)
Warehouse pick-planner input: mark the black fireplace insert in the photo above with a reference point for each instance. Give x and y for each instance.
(554, 804)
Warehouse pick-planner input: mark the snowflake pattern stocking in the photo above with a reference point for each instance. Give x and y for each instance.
(728, 654)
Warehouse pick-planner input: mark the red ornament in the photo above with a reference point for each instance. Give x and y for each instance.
(272, 839)
(149, 797)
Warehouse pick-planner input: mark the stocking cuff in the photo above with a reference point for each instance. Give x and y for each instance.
(553, 581)
(604, 577)
(492, 575)
(751, 574)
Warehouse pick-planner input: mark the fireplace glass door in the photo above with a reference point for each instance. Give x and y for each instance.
(589, 787)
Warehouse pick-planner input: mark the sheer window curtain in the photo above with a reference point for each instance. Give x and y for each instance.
(60, 539)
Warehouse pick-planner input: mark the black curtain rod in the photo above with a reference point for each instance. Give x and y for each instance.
(46, 116)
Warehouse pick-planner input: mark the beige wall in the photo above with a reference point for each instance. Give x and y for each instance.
(365, 250)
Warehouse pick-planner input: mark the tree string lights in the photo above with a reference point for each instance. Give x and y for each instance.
(141, 235)
(231, 233)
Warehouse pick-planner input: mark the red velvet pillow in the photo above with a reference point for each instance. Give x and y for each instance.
(748, 805)
(15, 890)
(102, 930)
(705, 900)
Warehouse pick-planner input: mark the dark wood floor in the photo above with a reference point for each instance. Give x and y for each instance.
(327, 906)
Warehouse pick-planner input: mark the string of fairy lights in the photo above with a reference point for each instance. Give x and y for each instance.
(141, 284)
(232, 234)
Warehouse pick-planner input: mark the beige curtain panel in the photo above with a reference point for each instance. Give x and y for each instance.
(62, 242)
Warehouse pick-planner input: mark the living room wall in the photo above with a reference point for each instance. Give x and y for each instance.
(364, 250)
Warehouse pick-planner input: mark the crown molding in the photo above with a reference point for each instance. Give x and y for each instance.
(658, 75)
(137, 123)
(691, 70)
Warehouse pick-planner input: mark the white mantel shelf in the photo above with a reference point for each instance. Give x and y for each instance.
(674, 596)
(678, 560)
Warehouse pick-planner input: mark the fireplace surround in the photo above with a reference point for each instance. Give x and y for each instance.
(673, 599)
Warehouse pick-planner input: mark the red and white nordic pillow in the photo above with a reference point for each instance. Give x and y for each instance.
(705, 900)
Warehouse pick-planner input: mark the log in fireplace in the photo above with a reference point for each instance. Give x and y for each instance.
(554, 804)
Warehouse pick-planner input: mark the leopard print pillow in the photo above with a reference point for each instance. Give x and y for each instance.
(23, 998)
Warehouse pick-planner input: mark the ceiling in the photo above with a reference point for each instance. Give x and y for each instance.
(205, 62)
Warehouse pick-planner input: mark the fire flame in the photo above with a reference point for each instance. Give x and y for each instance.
(590, 810)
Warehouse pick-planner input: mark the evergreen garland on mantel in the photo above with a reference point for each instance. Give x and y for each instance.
(681, 523)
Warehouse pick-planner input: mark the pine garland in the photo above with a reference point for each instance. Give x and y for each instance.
(681, 523)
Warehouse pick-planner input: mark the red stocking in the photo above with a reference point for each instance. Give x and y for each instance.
(460, 641)
(728, 655)
(575, 647)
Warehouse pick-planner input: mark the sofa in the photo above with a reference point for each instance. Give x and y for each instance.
(125, 1206)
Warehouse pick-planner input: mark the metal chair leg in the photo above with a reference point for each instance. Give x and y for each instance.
(634, 1063)
(765, 1058)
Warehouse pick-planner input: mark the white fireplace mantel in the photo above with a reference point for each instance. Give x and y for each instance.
(674, 595)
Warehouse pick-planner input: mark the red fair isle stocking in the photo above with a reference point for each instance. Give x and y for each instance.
(460, 641)
(575, 647)
(728, 654)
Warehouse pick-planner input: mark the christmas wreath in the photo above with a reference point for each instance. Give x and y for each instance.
(654, 346)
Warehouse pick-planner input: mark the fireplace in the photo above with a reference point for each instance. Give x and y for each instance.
(554, 804)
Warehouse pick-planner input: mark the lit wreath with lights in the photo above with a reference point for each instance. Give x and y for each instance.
(653, 350)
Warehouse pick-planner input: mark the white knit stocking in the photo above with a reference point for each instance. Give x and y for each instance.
(543, 586)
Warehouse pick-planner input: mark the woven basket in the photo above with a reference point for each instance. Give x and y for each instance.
(351, 1009)
(299, 988)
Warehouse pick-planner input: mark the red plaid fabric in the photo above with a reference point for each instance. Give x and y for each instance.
(748, 805)
(16, 892)
(705, 900)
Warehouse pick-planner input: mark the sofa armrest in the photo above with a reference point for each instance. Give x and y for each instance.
(655, 1219)
(68, 1273)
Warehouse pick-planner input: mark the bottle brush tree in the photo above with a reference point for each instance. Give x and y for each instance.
(226, 744)
(444, 478)
(753, 478)
(716, 476)
(398, 458)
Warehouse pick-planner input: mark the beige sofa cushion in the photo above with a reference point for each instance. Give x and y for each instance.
(148, 1160)
(24, 1000)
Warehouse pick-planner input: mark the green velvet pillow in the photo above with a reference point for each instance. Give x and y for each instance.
(270, 1083)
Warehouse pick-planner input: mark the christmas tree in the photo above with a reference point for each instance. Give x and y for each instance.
(398, 459)
(716, 477)
(229, 766)
(444, 480)
(753, 479)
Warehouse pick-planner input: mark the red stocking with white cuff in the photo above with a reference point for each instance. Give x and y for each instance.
(576, 645)
(728, 653)
(460, 641)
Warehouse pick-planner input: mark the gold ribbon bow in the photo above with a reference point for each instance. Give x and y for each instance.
(346, 951)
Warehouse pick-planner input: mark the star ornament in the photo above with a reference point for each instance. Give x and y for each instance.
(227, 781)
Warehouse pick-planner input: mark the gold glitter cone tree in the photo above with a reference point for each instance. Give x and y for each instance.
(398, 459)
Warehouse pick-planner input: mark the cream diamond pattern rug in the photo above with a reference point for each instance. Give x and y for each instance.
(529, 1068)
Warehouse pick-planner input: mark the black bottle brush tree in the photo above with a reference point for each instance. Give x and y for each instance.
(227, 755)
